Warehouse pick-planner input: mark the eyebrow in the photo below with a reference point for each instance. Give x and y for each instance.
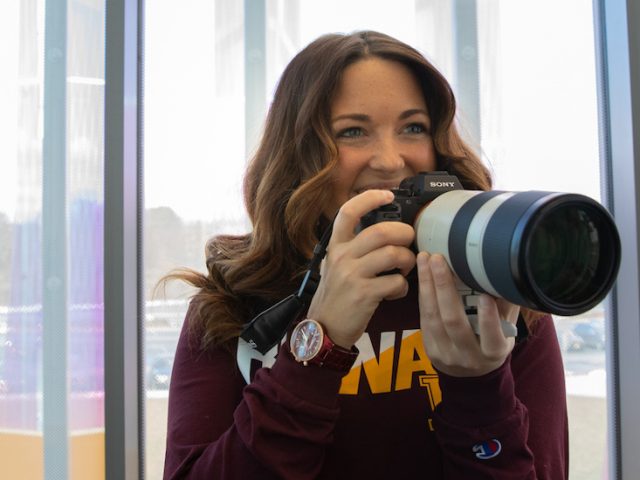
(352, 116)
(413, 111)
(364, 118)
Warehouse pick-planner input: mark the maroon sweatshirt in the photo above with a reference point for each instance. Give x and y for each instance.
(392, 416)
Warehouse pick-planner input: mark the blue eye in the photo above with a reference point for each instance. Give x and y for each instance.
(351, 132)
(416, 128)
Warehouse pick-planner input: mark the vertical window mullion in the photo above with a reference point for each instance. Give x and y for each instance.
(122, 243)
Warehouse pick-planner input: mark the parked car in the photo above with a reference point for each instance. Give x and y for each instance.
(159, 373)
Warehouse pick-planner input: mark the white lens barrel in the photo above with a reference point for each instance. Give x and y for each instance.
(432, 230)
(454, 225)
(488, 240)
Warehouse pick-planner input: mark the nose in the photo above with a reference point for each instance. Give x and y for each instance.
(387, 155)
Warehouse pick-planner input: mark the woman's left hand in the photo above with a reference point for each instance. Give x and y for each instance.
(450, 342)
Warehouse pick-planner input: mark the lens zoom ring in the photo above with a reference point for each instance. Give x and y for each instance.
(458, 237)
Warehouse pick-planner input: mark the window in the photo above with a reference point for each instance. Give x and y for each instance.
(51, 232)
(194, 159)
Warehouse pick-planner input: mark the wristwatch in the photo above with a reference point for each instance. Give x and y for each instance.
(310, 345)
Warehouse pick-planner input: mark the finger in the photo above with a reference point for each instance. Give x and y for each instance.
(354, 209)
(492, 340)
(434, 332)
(385, 259)
(380, 234)
(454, 317)
(390, 287)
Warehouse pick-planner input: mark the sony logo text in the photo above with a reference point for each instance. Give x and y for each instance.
(441, 184)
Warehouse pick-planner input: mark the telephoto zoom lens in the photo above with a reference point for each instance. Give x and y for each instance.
(549, 251)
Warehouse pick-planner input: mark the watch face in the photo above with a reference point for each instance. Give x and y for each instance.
(306, 340)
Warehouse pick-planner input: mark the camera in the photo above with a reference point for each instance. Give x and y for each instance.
(549, 251)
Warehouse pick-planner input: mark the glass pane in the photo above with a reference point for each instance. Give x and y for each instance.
(21, 243)
(21, 440)
(424, 24)
(540, 132)
(85, 210)
(194, 158)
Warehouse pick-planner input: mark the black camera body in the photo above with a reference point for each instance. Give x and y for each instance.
(411, 196)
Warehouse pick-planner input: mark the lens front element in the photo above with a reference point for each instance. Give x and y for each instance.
(570, 253)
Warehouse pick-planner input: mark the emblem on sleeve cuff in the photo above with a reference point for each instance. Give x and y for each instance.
(488, 449)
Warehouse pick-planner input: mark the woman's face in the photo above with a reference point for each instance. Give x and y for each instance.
(381, 126)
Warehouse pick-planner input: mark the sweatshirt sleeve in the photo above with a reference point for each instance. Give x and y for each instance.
(512, 422)
(276, 427)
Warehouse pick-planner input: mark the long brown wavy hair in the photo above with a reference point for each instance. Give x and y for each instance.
(289, 181)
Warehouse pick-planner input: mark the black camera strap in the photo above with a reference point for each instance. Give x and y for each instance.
(269, 326)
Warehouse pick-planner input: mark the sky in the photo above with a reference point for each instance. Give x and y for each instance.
(8, 105)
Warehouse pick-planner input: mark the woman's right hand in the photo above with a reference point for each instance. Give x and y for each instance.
(350, 288)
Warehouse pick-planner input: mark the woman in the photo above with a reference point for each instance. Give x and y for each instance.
(402, 386)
